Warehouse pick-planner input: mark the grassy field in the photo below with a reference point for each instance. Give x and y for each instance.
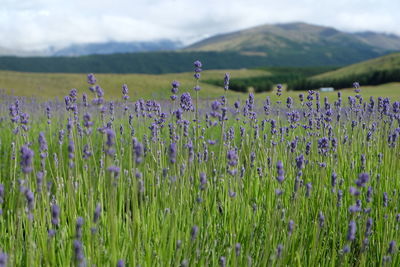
(391, 90)
(47, 86)
(53, 85)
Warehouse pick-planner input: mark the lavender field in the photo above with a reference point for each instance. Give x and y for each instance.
(187, 182)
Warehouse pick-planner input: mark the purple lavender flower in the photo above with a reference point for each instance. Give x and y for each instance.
(194, 232)
(55, 215)
(280, 172)
(323, 145)
(175, 85)
(351, 232)
(392, 247)
(71, 149)
(238, 247)
(26, 159)
(30, 199)
(138, 150)
(78, 228)
(346, 249)
(385, 199)
(110, 141)
(97, 213)
(125, 91)
(222, 261)
(355, 208)
(87, 120)
(3, 259)
(120, 263)
(73, 94)
(279, 90)
(85, 100)
(368, 228)
(86, 152)
(290, 227)
(356, 86)
(226, 81)
(321, 219)
(1, 193)
(354, 191)
(42, 142)
(289, 102)
(114, 170)
(232, 158)
(91, 79)
(172, 153)
(279, 250)
(203, 180)
(78, 253)
(186, 102)
(339, 198)
(333, 179)
(363, 178)
(197, 69)
(300, 161)
(308, 148)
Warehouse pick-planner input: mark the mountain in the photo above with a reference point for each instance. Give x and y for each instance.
(292, 44)
(105, 48)
(117, 47)
(302, 42)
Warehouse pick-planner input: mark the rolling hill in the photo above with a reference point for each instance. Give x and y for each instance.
(385, 69)
(302, 42)
(385, 63)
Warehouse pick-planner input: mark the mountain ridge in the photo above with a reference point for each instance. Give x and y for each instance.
(298, 36)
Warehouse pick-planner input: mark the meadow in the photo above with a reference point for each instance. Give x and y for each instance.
(201, 177)
(54, 86)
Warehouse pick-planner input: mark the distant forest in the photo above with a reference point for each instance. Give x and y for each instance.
(159, 62)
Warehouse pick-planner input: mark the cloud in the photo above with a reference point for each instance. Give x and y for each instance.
(36, 24)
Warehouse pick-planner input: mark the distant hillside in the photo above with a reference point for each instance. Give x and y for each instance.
(376, 71)
(389, 62)
(117, 47)
(302, 42)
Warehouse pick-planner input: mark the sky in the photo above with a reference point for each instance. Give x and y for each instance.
(38, 24)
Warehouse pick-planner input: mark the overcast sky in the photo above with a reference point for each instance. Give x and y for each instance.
(36, 24)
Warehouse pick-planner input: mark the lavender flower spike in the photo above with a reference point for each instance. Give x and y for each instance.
(26, 159)
(363, 178)
(3, 259)
(280, 172)
(55, 215)
(351, 233)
